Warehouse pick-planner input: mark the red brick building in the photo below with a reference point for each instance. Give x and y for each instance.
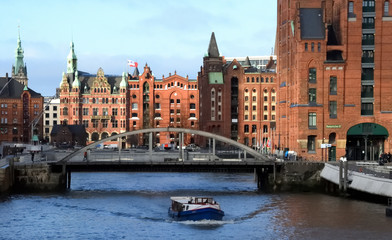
(109, 105)
(334, 73)
(20, 106)
(237, 101)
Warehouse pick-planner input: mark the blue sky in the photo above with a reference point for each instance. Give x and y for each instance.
(170, 35)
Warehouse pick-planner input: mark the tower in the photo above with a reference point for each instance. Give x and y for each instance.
(19, 70)
(214, 87)
(72, 60)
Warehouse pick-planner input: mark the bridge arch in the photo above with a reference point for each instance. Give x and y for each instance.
(249, 150)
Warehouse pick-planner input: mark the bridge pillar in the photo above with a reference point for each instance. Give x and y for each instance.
(119, 149)
(262, 179)
(150, 145)
(213, 147)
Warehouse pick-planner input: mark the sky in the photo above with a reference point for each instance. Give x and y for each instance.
(168, 35)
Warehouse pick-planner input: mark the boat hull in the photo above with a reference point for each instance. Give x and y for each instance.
(196, 215)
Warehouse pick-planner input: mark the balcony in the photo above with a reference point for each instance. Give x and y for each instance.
(100, 117)
(367, 60)
(368, 9)
(367, 25)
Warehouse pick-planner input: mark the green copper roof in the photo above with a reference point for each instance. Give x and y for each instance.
(76, 82)
(215, 78)
(19, 56)
(72, 60)
(124, 82)
(25, 88)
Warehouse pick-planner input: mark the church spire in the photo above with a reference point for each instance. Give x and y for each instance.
(19, 56)
(72, 60)
(213, 47)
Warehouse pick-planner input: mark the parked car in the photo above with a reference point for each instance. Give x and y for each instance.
(192, 147)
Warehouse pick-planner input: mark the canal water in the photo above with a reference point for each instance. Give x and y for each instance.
(134, 206)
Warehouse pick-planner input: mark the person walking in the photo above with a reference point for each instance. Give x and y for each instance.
(32, 156)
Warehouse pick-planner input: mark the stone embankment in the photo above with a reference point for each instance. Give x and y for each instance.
(299, 176)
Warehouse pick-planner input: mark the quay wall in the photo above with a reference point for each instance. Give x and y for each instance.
(298, 176)
(37, 177)
(5, 179)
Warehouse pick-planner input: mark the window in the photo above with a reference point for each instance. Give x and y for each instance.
(178, 111)
(105, 123)
(312, 96)
(46, 122)
(312, 144)
(134, 106)
(350, 7)
(312, 75)
(312, 46)
(171, 111)
(192, 115)
(85, 111)
(134, 115)
(254, 107)
(95, 111)
(319, 47)
(192, 106)
(95, 123)
(114, 111)
(306, 47)
(171, 101)
(265, 108)
(254, 128)
(333, 109)
(312, 120)
(246, 128)
(115, 124)
(386, 8)
(366, 109)
(333, 85)
(246, 108)
(157, 106)
(178, 101)
(65, 111)
(157, 115)
(85, 123)
(105, 111)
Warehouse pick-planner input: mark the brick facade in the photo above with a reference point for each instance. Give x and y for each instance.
(334, 78)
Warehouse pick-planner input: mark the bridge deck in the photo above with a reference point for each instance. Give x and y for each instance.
(171, 166)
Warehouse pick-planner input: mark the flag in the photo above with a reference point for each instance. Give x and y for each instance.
(132, 63)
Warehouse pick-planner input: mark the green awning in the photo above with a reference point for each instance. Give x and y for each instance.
(366, 129)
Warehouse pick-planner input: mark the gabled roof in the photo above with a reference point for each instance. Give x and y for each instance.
(75, 129)
(312, 25)
(14, 89)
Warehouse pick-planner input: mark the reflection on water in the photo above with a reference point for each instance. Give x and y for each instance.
(134, 206)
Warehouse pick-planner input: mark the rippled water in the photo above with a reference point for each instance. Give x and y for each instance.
(134, 206)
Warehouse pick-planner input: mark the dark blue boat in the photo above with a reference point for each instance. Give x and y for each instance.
(195, 209)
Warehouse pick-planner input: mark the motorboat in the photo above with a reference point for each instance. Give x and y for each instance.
(195, 209)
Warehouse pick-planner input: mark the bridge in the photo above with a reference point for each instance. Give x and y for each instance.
(152, 161)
